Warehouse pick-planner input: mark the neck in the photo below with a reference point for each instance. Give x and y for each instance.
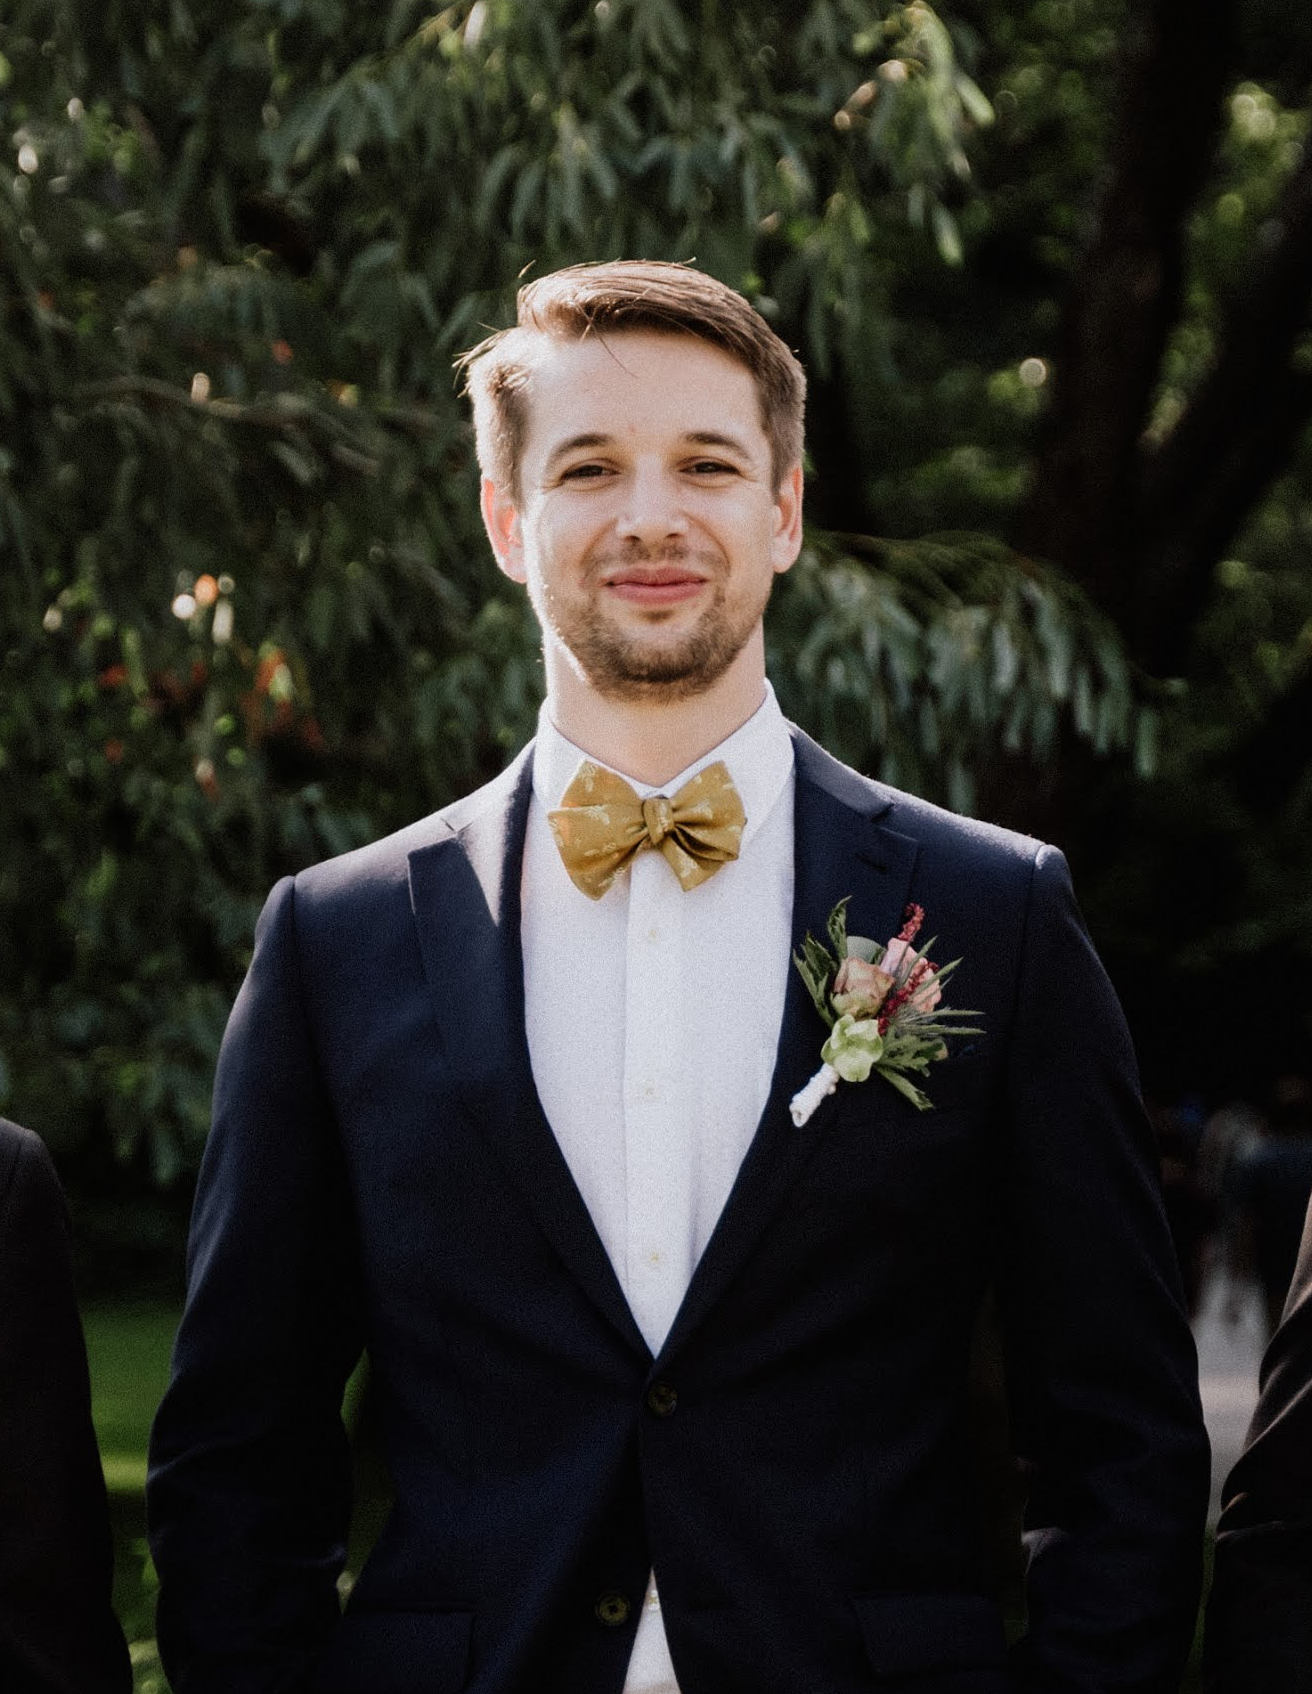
(653, 740)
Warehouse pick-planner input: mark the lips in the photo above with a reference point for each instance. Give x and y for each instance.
(654, 585)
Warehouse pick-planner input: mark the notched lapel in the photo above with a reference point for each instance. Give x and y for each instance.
(467, 916)
(464, 892)
(842, 847)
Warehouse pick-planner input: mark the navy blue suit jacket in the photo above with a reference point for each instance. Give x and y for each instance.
(793, 1464)
(58, 1632)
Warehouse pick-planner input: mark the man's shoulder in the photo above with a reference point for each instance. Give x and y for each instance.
(380, 865)
(22, 1146)
(14, 1139)
(31, 1200)
(934, 828)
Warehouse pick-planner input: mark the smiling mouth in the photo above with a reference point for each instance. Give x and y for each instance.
(655, 584)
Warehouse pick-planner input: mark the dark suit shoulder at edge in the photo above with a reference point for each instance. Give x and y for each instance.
(907, 813)
(16, 1146)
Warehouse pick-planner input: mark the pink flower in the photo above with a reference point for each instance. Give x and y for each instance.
(919, 988)
(860, 988)
(896, 954)
(925, 991)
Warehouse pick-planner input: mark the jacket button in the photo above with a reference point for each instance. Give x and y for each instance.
(662, 1398)
(613, 1610)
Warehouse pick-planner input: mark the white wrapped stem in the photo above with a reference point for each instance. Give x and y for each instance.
(820, 1087)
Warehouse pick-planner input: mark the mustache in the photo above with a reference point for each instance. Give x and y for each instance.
(667, 553)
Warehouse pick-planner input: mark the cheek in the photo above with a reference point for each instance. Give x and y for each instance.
(748, 535)
(564, 541)
(541, 552)
(755, 569)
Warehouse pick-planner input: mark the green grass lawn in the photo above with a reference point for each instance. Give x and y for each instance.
(128, 1348)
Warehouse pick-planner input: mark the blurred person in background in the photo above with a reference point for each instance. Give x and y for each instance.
(1179, 1135)
(1270, 1183)
(58, 1632)
(1229, 1132)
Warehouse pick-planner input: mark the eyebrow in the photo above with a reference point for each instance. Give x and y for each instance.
(573, 444)
(714, 438)
(695, 437)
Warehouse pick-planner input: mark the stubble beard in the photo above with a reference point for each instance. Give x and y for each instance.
(623, 667)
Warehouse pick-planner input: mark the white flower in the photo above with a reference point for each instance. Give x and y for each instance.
(854, 1047)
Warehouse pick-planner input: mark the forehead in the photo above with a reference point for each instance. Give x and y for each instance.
(638, 383)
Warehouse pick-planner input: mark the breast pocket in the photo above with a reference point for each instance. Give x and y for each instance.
(400, 1652)
(877, 1150)
(964, 1082)
(899, 1197)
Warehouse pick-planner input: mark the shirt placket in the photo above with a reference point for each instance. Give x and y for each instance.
(657, 1126)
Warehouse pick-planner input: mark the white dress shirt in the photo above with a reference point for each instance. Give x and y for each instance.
(653, 1020)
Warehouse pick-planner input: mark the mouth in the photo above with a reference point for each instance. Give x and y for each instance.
(654, 585)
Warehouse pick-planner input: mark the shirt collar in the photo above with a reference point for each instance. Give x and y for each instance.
(759, 755)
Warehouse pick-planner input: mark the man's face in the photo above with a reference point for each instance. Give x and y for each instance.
(647, 529)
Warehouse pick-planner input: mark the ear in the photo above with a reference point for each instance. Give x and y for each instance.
(786, 542)
(501, 520)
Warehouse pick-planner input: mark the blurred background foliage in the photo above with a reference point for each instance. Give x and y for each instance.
(1048, 267)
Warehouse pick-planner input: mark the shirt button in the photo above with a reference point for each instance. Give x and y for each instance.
(662, 1398)
(612, 1610)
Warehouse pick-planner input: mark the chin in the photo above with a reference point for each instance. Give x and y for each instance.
(651, 665)
(652, 690)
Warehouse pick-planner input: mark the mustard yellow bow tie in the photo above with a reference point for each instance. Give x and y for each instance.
(601, 825)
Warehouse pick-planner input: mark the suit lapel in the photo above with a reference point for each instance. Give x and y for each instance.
(465, 893)
(841, 847)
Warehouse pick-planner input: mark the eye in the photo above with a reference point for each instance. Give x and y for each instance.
(589, 472)
(712, 467)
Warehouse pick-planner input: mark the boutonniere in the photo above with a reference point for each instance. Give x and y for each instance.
(884, 1007)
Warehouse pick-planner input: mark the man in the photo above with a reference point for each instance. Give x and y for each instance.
(58, 1633)
(673, 1390)
(1269, 1184)
(1259, 1617)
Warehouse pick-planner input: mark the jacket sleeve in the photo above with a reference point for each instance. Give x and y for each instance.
(249, 1484)
(1101, 1365)
(1259, 1618)
(58, 1634)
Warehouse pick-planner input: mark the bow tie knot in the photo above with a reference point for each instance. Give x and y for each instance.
(658, 815)
(601, 825)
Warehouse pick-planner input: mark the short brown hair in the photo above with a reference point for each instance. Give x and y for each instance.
(615, 296)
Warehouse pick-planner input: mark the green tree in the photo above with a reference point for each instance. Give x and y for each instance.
(248, 618)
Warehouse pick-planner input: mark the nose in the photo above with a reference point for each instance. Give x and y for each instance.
(651, 512)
